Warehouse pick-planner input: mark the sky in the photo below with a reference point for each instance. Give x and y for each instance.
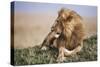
(34, 7)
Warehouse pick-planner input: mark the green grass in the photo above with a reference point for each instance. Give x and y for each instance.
(34, 55)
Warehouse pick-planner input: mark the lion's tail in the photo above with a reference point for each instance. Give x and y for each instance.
(74, 51)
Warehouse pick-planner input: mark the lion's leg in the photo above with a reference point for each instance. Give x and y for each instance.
(61, 57)
(47, 41)
(74, 51)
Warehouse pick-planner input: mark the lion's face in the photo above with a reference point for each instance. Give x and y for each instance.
(60, 21)
(56, 29)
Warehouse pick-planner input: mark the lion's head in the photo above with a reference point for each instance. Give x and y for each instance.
(65, 22)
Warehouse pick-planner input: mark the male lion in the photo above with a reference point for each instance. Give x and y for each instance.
(67, 34)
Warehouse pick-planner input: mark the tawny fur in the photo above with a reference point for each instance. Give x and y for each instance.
(69, 25)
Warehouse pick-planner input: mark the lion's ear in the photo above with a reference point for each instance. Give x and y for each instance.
(64, 16)
(69, 18)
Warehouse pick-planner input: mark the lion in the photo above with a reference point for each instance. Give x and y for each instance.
(67, 34)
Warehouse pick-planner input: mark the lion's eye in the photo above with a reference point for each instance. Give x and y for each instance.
(52, 29)
(57, 20)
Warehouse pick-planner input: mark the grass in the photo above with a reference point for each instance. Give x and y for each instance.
(34, 55)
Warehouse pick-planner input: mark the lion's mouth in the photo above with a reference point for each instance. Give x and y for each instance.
(57, 35)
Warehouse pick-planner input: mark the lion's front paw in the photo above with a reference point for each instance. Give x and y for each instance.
(44, 48)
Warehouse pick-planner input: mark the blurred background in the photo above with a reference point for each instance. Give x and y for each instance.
(32, 21)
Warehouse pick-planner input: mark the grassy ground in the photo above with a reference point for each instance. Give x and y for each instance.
(35, 56)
